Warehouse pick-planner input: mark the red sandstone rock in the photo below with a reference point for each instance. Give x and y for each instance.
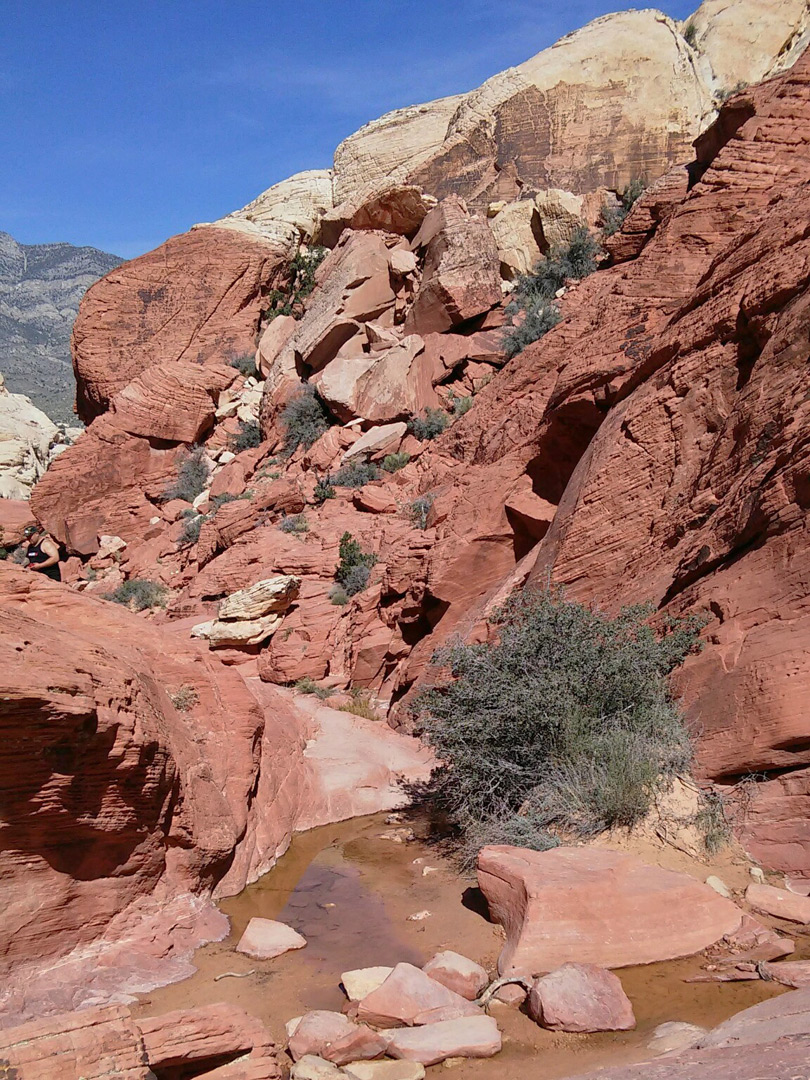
(600, 907)
(196, 298)
(173, 404)
(334, 1037)
(795, 973)
(15, 514)
(105, 1042)
(461, 277)
(458, 974)
(777, 1018)
(779, 902)
(468, 1037)
(581, 997)
(409, 996)
(397, 210)
(782, 1059)
(265, 939)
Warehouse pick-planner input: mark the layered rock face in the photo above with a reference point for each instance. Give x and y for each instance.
(142, 776)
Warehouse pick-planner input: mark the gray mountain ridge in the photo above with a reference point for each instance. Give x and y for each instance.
(41, 286)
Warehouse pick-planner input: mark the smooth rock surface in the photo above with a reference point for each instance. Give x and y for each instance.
(468, 1037)
(779, 902)
(581, 997)
(601, 907)
(409, 996)
(265, 939)
(458, 973)
(362, 981)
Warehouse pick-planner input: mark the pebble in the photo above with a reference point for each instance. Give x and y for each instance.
(419, 916)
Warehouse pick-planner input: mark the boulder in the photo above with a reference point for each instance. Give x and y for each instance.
(467, 1037)
(265, 939)
(581, 997)
(15, 515)
(518, 235)
(271, 345)
(236, 633)
(409, 996)
(602, 907)
(360, 982)
(779, 902)
(461, 276)
(795, 973)
(196, 298)
(312, 1067)
(334, 1037)
(27, 436)
(270, 595)
(378, 441)
(457, 973)
(399, 210)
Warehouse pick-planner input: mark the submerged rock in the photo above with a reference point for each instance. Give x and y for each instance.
(265, 939)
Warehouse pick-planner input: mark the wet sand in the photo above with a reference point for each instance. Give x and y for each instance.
(350, 892)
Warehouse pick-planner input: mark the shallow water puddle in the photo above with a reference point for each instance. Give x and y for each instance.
(351, 892)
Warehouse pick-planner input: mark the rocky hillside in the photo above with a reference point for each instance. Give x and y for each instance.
(40, 289)
(250, 402)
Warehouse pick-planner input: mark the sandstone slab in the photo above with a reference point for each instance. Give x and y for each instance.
(779, 902)
(581, 997)
(362, 981)
(468, 1037)
(458, 973)
(409, 996)
(600, 907)
(334, 1037)
(265, 939)
(385, 1070)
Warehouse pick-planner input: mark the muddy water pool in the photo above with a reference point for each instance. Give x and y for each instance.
(350, 892)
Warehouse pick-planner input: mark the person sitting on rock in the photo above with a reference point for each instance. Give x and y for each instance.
(42, 552)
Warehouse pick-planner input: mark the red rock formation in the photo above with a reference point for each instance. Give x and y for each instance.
(197, 298)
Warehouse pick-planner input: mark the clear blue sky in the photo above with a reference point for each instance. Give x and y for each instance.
(124, 123)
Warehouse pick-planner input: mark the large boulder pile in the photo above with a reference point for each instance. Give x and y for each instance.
(29, 441)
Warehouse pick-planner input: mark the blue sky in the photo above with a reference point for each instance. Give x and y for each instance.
(124, 123)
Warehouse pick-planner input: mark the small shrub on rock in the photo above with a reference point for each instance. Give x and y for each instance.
(192, 476)
(324, 489)
(394, 462)
(563, 726)
(535, 294)
(184, 698)
(690, 34)
(461, 406)
(360, 705)
(356, 474)
(294, 523)
(338, 596)
(430, 425)
(309, 686)
(245, 365)
(613, 216)
(304, 419)
(300, 281)
(139, 594)
(355, 565)
(192, 526)
(248, 437)
(417, 511)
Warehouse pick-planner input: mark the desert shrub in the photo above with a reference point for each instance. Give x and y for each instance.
(417, 511)
(294, 523)
(324, 489)
(690, 34)
(430, 425)
(355, 474)
(247, 437)
(360, 705)
(192, 476)
(139, 594)
(395, 462)
(245, 365)
(299, 283)
(712, 822)
(729, 91)
(613, 216)
(304, 420)
(221, 500)
(192, 526)
(352, 572)
(565, 722)
(534, 294)
(309, 686)
(184, 698)
(338, 596)
(461, 406)
(18, 555)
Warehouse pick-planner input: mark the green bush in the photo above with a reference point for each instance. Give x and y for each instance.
(338, 596)
(613, 216)
(294, 523)
(564, 725)
(309, 686)
(355, 565)
(248, 437)
(430, 425)
(192, 476)
(355, 474)
(417, 511)
(246, 365)
(139, 594)
(304, 420)
(221, 500)
(690, 34)
(299, 283)
(461, 406)
(324, 490)
(534, 294)
(394, 462)
(192, 526)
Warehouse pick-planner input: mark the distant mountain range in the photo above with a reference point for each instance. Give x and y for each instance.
(41, 286)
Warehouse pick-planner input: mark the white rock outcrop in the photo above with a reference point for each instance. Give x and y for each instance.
(28, 441)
